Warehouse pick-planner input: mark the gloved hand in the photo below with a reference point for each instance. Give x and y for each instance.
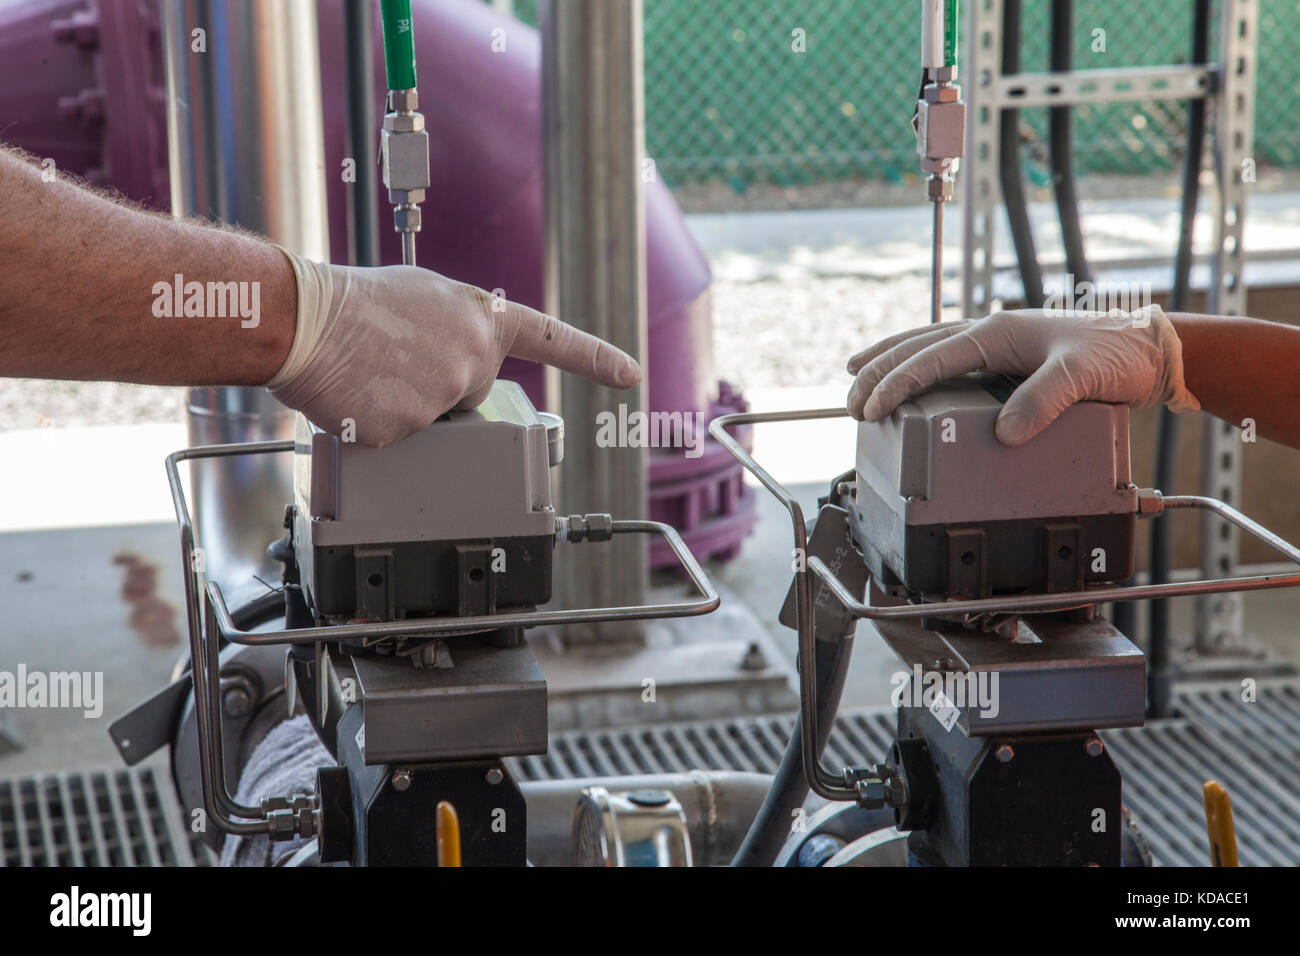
(1130, 358)
(394, 348)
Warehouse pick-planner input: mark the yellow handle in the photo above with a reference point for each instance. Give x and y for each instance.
(447, 829)
(1218, 821)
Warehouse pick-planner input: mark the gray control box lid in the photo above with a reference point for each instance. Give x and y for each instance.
(482, 473)
(936, 460)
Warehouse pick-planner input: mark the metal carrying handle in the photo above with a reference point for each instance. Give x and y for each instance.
(1151, 504)
(213, 620)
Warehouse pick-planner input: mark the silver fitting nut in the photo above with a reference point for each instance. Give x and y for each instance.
(283, 825)
(403, 122)
(406, 218)
(941, 94)
(941, 74)
(939, 189)
(594, 527)
(575, 528)
(1150, 503)
(403, 101)
(599, 527)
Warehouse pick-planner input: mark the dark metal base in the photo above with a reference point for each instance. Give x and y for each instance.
(393, 582)
(1029, 800)
(394, 823)
(993, 557)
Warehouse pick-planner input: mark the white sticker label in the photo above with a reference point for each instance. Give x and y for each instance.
(944, 711)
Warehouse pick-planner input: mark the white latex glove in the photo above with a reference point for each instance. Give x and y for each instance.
(393, 348)
(1126, 358)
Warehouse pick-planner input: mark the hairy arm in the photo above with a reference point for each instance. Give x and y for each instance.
(1244, 368)
(77, 299)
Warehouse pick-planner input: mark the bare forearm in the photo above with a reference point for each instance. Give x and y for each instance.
(89, 290)
(1244, 368)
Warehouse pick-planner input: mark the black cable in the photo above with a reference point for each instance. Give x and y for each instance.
(1061, 148)
(263, 608)
(771, 827)
(1013, 188)
(362, 132)
(1159, 674)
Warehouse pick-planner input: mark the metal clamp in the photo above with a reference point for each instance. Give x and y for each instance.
(212, 621)
(1151, 504)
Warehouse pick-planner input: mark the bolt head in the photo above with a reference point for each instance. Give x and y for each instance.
(401, 780)
(1005, 754)
(495, 776)
(236, 702)
(873, 791)
(1094, 747)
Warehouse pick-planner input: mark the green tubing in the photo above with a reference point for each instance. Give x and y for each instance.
(950, 33)
(399, 45)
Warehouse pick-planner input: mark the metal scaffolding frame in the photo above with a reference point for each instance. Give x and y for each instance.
(1229, 85)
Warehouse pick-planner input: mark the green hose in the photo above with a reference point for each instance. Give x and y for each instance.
(399, 44)
(950, 33)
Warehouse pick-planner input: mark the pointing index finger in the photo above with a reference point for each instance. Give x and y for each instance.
(544, 338)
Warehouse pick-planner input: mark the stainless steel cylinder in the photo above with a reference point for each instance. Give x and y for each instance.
(246, 146)
(593, 144)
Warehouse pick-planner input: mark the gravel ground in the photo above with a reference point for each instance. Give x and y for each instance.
(33, 403)
(782, 333)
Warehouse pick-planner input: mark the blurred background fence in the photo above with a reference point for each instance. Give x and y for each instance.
(730, 101)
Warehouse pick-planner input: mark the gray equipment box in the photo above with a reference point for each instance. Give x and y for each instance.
(942, 508)
(455, 519)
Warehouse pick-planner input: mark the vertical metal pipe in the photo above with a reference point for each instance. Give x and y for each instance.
(246, 145)
(593, 143)
(358, 63)
(180, 140)
(936, 266)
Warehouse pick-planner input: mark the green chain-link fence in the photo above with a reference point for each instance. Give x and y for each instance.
(793, 92)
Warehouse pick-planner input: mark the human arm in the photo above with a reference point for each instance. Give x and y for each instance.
(391, 349)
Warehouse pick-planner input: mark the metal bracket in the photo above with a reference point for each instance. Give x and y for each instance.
(1219, 622)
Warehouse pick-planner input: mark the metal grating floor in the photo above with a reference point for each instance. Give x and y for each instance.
(100, 818)
(1252, 749)
(131, 817)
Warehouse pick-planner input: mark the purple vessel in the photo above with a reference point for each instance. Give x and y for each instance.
(81, 82)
